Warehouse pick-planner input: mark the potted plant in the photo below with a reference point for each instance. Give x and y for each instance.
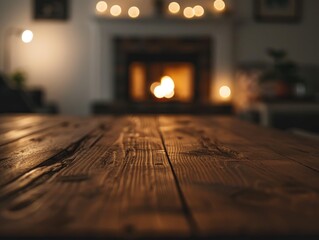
(18, 79)
(281, 80)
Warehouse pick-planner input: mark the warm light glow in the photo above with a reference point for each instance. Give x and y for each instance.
(182, 73)
(219, 5)
(174, 7)
(163, 89)
(225, 92)
(137, 81)
(116, 10)
(170, 95)
(168, 83)
(159, 92)
(101, 6)
(154, 85)
(27, 36)
(134, 12)
(199, 11)
(189, 12)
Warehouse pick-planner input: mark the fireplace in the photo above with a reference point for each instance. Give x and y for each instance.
(162, 70)
(129, 56)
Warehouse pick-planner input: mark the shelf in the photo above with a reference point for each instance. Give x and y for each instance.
(219, 19)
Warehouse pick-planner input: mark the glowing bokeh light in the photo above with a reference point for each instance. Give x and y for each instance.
(27, 36)
(163, 89)
(101, 6)
(134, 12)
(168, 83)
(174, 7)
(154, 85)
(189, 12)
(225, 92)
(219, 5)
(170, 95)
(116, 10)
(159, 92)
(198, 11)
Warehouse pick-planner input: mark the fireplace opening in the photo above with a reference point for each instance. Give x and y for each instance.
(161, 82)
(167, 71)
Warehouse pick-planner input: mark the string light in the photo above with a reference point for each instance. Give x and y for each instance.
(174, 7)
(198, 11)
(189, 12)
(134, 12)
(219, 5)
(116, 10)
(101, 6)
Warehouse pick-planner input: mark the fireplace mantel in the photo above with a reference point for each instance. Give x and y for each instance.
(210, 20)
(105, 30)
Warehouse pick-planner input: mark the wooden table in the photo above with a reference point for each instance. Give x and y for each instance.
(155, 177)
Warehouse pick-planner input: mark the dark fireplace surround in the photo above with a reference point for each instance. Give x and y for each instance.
(193, 50)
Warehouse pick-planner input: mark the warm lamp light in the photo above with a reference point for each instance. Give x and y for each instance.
(101, 6)
(134, 12)
(26, 36)
(116, 10)
(225, 92)
(174, 7)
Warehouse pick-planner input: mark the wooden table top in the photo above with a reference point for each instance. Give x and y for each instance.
(154, 177)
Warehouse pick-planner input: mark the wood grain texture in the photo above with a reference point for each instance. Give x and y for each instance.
(18, 122)
(301, 150)
(154, 177)
(19, 129)
(117, 183)
(18, 157)
(233, 191)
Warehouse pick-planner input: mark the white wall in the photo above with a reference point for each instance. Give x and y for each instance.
(300, 40)
(60, 57)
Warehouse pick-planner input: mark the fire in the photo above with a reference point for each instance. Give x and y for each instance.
(165, 88)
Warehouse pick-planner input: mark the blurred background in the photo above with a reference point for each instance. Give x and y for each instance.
(257, 59)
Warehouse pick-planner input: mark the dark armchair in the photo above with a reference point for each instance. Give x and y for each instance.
(20, 101)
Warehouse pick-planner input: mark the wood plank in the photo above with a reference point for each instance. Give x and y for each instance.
(12, 117)
(118, 183)
(113, 177)
(8, 123)
(230, 193)
(298, 149)
(214, 142)
(35, 126)
(19, 157)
